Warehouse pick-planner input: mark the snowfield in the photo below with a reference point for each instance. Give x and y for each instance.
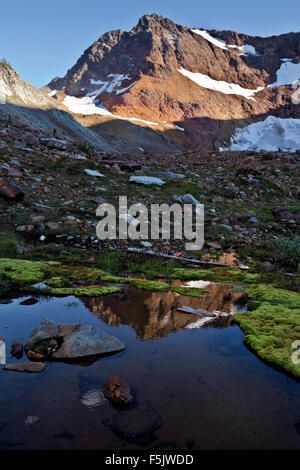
(216, 85)
(287, 74)
(271, 134)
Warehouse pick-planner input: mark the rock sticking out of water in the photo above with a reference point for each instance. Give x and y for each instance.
(73, 342)
(117, 391)
(17, 350)
(30, 367)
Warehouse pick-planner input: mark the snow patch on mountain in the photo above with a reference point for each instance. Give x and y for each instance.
(216, 85)
(271, 134)
(109, 86)
(119, 92)
(287, 73)
(246, 49)
(87, 106)
(249, 49)
(209, 38)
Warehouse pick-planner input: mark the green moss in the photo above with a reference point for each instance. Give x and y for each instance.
(272, 325)
(21, 272)
(222, 274)
(75, 273)
(58, 282)
(189, 291)
(149, 285)
(192, 274)
(89, 291)
(251, 277)
(117, 279)
(267, 293)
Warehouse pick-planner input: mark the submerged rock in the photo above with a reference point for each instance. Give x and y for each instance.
(29, 301)
(117, 391)
(31, 367)
(63, 341)
(137, 425)
(30, 420)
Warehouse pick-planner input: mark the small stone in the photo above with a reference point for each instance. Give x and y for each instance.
(117, 391)
(30, 420)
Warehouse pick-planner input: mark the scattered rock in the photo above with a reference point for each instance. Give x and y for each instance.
(168, 175)
(215, 245)
(117, 391)
(9, 190)
(286, 213)
(267, 266)
(94, 173)
(30, 367)
(189, 199)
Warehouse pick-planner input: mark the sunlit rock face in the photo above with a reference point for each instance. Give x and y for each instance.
(154, 314)
(193, 86)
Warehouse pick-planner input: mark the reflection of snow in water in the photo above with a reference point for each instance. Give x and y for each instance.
(93, 398)
(202, 321)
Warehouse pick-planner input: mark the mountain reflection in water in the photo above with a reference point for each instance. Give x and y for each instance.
(154, 315)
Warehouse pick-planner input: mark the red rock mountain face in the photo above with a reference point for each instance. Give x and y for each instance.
(137, 74)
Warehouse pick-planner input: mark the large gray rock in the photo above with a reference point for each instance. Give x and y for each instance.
(189, 199)
(63, 341)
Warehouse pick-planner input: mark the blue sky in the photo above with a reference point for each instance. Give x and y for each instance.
(43, 39)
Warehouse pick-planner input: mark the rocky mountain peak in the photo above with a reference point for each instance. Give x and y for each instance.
(194, 86)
